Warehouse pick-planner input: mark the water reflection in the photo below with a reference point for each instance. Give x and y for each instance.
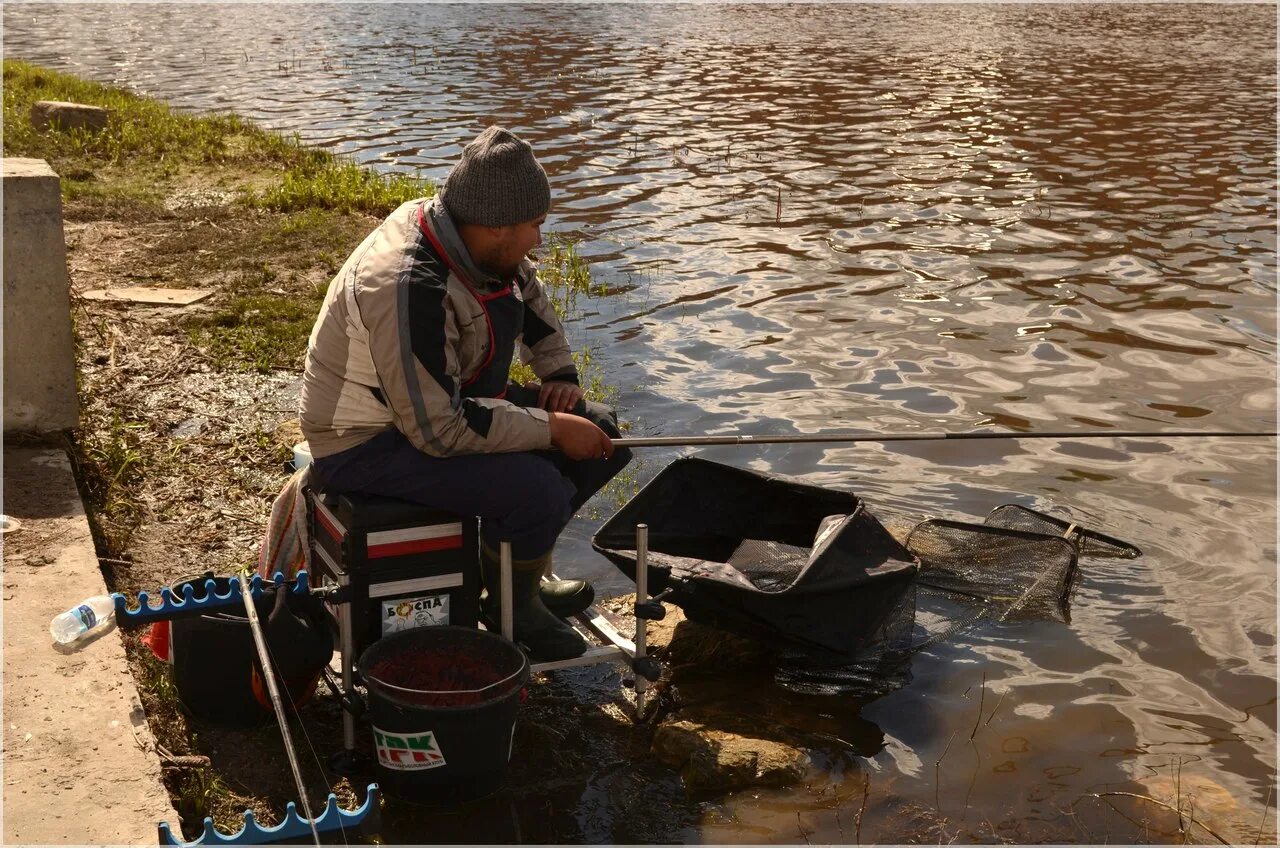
(882, 218)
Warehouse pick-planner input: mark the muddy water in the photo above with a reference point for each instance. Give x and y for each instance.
(1032, 218)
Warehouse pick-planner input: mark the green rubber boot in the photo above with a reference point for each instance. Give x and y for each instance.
(564, 598)
(546, 637)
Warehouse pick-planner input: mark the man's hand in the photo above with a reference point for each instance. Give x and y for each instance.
(558, 396)
(578, 438)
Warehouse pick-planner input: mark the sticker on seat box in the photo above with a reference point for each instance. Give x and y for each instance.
(408, 613)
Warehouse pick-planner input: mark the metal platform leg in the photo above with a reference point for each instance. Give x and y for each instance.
(614, 646)
(347, 645)
(504, 560)
(642, 595)
(348, 761)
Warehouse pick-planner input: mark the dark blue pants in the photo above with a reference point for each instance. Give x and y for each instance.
(522, 498)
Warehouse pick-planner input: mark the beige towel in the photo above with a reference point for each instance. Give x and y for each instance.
(286, 545)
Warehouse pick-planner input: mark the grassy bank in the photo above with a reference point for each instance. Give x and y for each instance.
(188, 413)
(148, 153)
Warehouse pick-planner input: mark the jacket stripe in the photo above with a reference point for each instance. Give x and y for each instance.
(535, 329)
(478, 418)
(408, 357)
(426, 294)
(426, 305)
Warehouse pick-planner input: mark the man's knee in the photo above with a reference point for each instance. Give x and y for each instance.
(606, 419)
(537, 486)
(536, 505)
(602, 415)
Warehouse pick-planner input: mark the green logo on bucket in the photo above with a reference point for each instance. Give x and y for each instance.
(407, 751)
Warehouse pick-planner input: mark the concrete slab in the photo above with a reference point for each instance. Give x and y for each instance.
(65, 115)
(39, 354)
(79, 759)
(141, 294)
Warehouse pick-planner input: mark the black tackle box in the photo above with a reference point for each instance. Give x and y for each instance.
(409, 566)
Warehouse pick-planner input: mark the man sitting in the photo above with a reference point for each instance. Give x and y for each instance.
(406, 390)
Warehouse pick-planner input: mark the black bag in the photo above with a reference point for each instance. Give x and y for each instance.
(215, 660)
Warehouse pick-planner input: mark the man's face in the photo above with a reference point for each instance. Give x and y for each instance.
(512, 243)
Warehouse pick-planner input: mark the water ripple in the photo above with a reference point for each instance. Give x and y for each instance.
(887, 218)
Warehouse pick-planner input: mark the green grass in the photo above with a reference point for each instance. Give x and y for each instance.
(134, 191)
(137, 128)
(592, 380)
(257, 331)
(108, 450)
(566, 275)
(343, 187)
(147, 145)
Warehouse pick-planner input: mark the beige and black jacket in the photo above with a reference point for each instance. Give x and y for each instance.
(400, 333)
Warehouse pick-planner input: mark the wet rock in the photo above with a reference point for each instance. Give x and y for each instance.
(679, 642)
(62, 115)
(1208, 801)
(716, 760)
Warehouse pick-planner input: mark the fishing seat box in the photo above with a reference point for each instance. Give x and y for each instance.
(407, 565)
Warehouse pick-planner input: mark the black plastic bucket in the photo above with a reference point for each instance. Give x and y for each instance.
(443, 704)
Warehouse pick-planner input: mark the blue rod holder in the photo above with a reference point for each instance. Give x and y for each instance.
(294, 826)
(170, 606)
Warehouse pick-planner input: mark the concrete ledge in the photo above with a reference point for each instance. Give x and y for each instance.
(39, 353)
(79, 759)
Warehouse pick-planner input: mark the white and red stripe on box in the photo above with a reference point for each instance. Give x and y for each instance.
(392, 543)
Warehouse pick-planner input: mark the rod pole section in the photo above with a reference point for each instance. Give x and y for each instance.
(853, 438)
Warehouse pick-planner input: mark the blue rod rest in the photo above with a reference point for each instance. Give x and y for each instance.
(294, 826)
(171, 607)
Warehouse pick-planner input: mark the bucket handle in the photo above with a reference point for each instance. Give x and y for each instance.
(506, 679)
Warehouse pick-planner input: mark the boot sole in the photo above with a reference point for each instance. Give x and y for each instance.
(565, 606)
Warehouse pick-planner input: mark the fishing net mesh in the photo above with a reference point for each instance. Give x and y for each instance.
(969, 574)
(1012, 572)
(770, 566)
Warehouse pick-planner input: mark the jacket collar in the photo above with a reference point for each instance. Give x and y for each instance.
(442, 227)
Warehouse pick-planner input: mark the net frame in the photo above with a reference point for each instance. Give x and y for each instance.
(1090, 542)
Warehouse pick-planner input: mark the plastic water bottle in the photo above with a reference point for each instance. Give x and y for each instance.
(92, 614)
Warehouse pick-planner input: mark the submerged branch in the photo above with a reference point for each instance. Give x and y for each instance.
(1170, 807)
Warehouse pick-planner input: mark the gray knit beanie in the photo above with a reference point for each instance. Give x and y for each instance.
(497, 182)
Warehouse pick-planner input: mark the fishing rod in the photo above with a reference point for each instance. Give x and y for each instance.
(268, 675)
(692, 441)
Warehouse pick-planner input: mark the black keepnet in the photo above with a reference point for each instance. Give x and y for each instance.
(738, 551)
(811, 572)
